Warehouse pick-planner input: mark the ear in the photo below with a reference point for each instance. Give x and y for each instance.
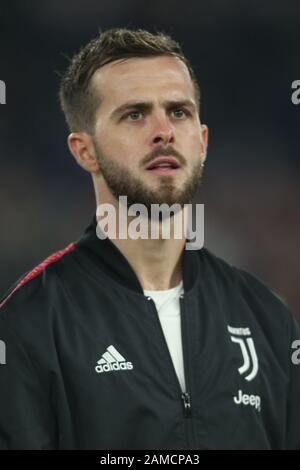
(204, 141)
(81, 147)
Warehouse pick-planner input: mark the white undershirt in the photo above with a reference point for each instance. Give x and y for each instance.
(168, 308)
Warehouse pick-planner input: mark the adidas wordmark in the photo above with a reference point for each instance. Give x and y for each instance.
(112, 360)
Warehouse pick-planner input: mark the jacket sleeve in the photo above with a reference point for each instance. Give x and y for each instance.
(288, 340)
(26, 420)
(293, 402)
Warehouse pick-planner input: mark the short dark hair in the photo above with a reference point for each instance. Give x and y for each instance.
(78, 100)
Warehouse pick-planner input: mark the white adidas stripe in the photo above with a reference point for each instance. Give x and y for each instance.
(111, 355)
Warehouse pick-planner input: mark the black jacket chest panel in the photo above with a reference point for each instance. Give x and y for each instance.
(149, 391)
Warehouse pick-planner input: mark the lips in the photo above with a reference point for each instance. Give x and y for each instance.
(164, 162)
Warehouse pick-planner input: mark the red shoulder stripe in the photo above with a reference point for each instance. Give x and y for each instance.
(39, 268)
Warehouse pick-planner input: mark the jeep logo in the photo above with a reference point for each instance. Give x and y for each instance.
(245, 399)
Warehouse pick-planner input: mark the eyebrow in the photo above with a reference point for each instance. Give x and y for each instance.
(148, 106)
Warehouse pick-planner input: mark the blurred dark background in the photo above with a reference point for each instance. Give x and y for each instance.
(246, 56)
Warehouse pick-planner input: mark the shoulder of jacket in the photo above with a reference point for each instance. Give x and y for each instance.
(250, 286)
(34, 288)
(218, 267)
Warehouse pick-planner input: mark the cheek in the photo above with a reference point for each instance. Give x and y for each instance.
(115, 146)
(192, 140)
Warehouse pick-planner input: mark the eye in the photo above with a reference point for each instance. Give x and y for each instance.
(133, 115)
(180, 113)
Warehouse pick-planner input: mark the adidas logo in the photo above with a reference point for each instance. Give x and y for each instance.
(112, 360)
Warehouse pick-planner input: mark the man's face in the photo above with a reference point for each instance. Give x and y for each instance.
(148, 113)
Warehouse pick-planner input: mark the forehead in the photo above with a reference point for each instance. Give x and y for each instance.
(143, 78)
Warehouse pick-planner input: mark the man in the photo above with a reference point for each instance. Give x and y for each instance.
(139, 343)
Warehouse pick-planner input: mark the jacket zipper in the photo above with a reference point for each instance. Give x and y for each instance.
(186, 404)
(184, 396)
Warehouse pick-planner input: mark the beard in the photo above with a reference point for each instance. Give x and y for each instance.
(122, 182)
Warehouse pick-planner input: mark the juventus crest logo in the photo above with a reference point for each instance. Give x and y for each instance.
(242, 336)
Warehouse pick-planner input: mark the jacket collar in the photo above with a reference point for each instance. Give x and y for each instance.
(110, 259)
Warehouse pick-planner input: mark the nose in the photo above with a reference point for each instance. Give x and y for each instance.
(163, 132)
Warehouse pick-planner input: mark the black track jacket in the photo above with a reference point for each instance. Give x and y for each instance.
(84, 363)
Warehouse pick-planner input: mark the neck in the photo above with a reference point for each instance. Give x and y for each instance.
(157, 262)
